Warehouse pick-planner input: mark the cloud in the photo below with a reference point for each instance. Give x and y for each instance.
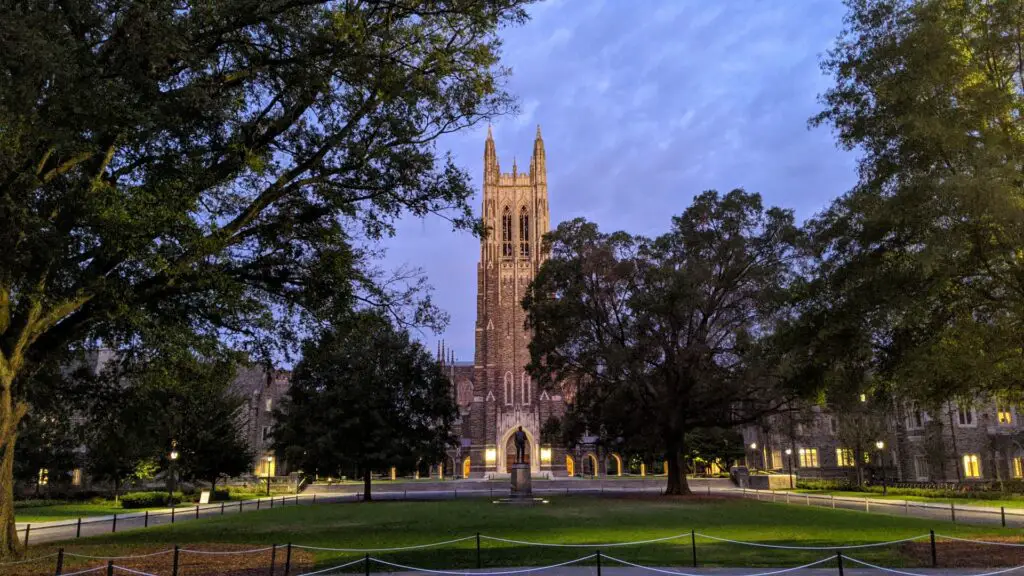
(645, 103)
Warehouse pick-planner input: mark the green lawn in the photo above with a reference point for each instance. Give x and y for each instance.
(53, 512)
(573, 519)
(966, 501)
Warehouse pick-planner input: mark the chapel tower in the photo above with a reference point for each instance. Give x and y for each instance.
(515, 212)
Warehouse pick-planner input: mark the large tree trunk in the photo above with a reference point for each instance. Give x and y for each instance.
(677, 484)
(10, 415)
(367, 496)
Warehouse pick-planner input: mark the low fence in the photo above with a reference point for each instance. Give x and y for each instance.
(281, 556)
(1006, 517)
(85, 526)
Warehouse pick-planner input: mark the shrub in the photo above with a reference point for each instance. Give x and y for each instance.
(148, 499)
(840, 484)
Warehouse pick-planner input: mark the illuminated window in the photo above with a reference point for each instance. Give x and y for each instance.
(270, 405)
(845, 458)
(545, 455)
(1018, 467)
(972, 466)
(863, 397)
(808, 457)
(916, 419)
(490, 456)
(921, 468)
(76, 477)
(506, 233)
(1004, 415)
(44, 476)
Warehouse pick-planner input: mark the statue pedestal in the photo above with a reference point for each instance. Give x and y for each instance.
(521, 481)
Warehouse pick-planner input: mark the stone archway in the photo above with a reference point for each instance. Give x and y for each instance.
(466, 467)
(570, 466)
(510, 452)
(507, 451)
(614, 465)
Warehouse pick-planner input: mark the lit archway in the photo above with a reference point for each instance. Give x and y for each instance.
(590, 465)
(465, 468)
(506, 451)
(617, 460)
(570, 466)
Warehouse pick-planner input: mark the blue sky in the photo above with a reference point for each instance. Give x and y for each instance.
(644, 104)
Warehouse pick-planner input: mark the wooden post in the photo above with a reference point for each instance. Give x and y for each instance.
(28, 530)
(60, 562)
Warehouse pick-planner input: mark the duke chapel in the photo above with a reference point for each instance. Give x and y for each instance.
(495, 394)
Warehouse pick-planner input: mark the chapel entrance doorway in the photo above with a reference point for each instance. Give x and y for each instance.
(510, 452)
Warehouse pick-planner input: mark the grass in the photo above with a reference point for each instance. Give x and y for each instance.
(966, 501)
(51, 511)
(571, 519)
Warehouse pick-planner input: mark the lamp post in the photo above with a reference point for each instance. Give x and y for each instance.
(789, 455)
(270, 460)
(881, 456)
(173, 457)
(753, 448)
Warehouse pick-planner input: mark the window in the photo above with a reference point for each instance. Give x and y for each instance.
(1003, 414)
(966, 416)
(832, 425)
(524, 389)
(266, 433)
(845, 458)
(776, 461)
(44, 476)
(269, 405)
(76, 477)
(799, 429)
(506, 233)
(808, 457)
(1018, 467)
(921, 468)
(972, 466)
(916, 419)
(509, 391)
(524, 233)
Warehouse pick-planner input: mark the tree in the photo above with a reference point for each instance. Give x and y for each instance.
(719, 446)
(919, 279)
(224, 166)
(364, 395)
(669, 335)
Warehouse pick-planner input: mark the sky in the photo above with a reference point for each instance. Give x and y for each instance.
(644, 104)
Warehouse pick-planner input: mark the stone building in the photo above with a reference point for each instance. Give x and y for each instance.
(978, 441)
(263, 390)
(494, 392)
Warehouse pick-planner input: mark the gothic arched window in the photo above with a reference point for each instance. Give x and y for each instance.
(524, 232)
(509, 388)
(524, 389)
(506, 233)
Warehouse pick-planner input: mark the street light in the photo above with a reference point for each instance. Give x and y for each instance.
(881, 456)
(753, 447)
(173, 456)
(789, 452)
(269, 460)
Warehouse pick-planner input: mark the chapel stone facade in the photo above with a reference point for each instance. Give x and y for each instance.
(495, 394)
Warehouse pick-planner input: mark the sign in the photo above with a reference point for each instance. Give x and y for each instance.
(204, 497)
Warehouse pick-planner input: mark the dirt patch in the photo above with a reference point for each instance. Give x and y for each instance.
(226, 563)
(954, 554)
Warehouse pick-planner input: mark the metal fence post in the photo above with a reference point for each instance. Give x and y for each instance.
(174, 564)
(78, 529)
(288, 560)
(693, 546)
(839, 562)
(952, 511)
(366, 562)
(197, 511)
(60, 562)
(28, 530)
(113, 525)
(1002, 515)
(221, 508)
(598, 563)
(145, 520)
(273, 557)
(110, 568)
(478, 566)
(935, 561)
(172, 513)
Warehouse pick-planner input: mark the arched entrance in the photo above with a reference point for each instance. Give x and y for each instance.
(465, 468)
(614, 465)
(570, 466)
(510, 451)
(589, 465)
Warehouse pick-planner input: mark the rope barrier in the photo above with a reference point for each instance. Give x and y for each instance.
(677, 573)
(333, 568)
(783, 547)
(397, 549)
(904, 573)
(130, 571)
(606, 545)
(150, 555)
(489, 573)
(1011, 544)
(225, 552)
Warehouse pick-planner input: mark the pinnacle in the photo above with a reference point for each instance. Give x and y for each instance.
(491, 136)
(538, 132)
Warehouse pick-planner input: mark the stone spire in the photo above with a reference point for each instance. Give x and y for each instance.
(538, 164)
(491, 168)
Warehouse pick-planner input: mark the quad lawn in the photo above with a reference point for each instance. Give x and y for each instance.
(966, 500)
(567, 520)
(50, 511)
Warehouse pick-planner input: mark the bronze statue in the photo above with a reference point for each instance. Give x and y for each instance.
(520, 439)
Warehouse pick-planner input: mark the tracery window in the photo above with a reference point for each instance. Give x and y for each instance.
(524, 233)
(506, 233)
